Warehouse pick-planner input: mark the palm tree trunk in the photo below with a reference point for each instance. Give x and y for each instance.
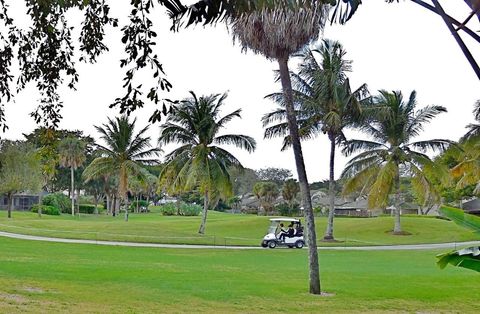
(73, 191)
(397, 228)
(314, 269)
(331, 191)
(463, 47)
(204, 214)
(10, 204)
(125, 203)
(108, 202)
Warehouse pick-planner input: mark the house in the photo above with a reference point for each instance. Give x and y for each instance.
(472, 206)
(21, 201)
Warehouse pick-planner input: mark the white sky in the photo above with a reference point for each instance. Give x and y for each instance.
(393, 46)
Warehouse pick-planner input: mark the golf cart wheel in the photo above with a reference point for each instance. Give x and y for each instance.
(272, 244)
(299, 244)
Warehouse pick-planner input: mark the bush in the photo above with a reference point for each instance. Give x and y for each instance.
(141, 203)
(286, 210)
(86, 208)
(45, 209)
(58, 200)
(86, 199)
(169, 209)
(190, 209)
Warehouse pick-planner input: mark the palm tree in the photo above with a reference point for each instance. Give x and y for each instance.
(467, 171)
(72, 154)
(200, 162)
(326, 104)
(123, 155)
(474, 128)
(391, 153)
(277, 33)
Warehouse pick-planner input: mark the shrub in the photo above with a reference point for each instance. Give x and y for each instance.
(190, 209)
(141, 203)
(169, 209)
(287, 210)
(58, 200)
(86, 199)
(86, 208)
(45, 209)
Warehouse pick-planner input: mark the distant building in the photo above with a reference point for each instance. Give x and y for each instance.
(472, 206)
(22, 202)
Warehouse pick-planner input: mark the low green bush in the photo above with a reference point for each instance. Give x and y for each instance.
(45, 209)
(58, 200)
(190, 209)
(286, 210)
(169, 209)
(86, 208)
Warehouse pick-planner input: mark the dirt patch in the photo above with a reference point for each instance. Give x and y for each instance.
(401, 233)
(12, 298)
(33, 290)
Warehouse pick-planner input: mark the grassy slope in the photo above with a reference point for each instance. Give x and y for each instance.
(50, 277)
(227, 229)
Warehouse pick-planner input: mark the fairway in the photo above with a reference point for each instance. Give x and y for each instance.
(50, 277)
(228, 229)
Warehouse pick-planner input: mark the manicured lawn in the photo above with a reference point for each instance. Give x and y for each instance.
(49, 277)
(228, 229)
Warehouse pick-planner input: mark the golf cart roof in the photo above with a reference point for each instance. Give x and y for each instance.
(284, 219)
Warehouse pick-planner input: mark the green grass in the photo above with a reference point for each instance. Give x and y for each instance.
(228, 229)
(51, 277)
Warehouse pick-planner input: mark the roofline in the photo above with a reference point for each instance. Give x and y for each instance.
(284, 219)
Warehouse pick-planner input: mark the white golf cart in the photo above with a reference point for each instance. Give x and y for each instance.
(292, 238)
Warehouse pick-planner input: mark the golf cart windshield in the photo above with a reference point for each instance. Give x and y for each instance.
(273, 227)
(275, 224)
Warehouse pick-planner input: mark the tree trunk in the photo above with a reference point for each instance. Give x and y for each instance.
(108, 203)
(137, 207)
(204, 214)
(397, 228)
(73, 191)
(40, 197)
(331, 191)
(97, 197)
(125, 203)
(10, 205)
(77, 205)
(314, 269)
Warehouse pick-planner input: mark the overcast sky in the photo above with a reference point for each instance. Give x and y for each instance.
(393, 46)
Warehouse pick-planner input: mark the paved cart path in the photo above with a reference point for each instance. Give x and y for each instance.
(452, 245)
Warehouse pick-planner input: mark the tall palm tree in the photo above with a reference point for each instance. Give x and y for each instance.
(474, 128)
(200, 162)
(391, 153)
(277, 33)
(72, 154)
(326, 104)
(124, 154)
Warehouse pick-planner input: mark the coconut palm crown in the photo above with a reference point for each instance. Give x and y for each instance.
(376, 170)
(473, 128)
(123, 155)
(200, 162)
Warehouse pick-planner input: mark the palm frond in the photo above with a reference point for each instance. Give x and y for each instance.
(241, 141)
